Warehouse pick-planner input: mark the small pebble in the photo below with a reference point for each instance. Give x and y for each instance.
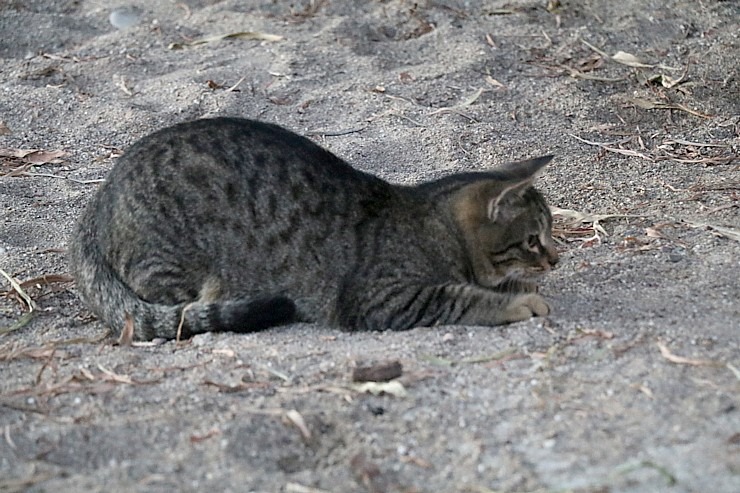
(124, 17)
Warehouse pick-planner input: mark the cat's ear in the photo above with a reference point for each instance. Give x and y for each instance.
(518, 176)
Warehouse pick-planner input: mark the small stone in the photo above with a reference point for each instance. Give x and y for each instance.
(124, 17)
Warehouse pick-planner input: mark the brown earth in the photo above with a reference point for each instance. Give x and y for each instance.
(630, 385)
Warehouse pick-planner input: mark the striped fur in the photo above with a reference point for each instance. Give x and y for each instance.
(235, 225)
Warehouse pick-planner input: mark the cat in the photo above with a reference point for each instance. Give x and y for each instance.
(229, 224)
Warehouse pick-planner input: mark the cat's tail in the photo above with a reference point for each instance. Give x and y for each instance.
(116, 304)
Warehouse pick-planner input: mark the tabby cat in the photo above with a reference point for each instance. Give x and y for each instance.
(228, 224)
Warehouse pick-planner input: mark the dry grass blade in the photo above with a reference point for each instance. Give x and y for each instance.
(577, 74)
(249, 35)
(50, 175)
(658, 105)
(13, 485)
(731, 233)
(630, 60)
(299, 488)
(46, 279)
(32, 308)
(680, 360)
(297, 420)
(18, 289)
(734, 370)
(19, 324)
(115, 377)
(457, 109)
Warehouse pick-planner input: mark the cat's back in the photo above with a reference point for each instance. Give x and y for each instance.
(199, 150)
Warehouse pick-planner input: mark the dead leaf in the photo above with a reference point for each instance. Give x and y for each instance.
(4, 130)
(201, 438)
(680, 360)
(249, 35)
(490, 80)
(394, 388)
(406, 78)
(630, 60)
(34, 156)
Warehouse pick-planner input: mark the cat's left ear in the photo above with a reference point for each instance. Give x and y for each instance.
(518, 177)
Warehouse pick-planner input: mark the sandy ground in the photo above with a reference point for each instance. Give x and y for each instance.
(630, 385)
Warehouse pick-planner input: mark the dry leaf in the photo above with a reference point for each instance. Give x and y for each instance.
(680, 360)
(394, 388)
(629, 60)
(201, 438)
(34, 156)
(494, 82)
(4, 130)
(253, 35)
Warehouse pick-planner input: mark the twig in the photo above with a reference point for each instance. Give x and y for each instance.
(49, 175)
(617, 150)
(336, 133)
(233, 88)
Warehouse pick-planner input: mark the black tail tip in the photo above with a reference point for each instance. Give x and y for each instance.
(262, 313)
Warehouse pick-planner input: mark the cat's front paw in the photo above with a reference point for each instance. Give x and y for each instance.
(525, 306)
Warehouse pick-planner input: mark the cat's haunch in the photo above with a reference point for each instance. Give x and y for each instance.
(229, 224)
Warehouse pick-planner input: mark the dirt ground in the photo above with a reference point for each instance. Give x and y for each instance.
(631, 385)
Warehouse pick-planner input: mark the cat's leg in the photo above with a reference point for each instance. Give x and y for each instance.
(401, 307)
(516, 286)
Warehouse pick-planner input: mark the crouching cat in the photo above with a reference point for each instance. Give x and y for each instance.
(228, 224)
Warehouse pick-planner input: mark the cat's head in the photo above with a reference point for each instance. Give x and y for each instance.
(506, 223)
